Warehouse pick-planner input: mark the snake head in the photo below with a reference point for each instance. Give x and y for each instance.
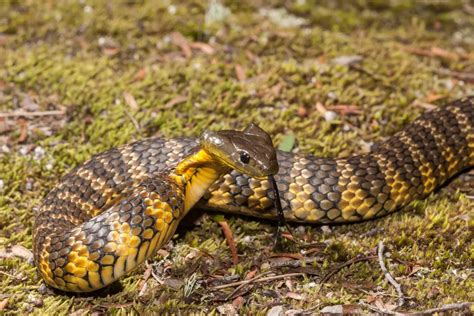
(250, 151)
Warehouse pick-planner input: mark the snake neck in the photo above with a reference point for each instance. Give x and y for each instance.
(195, 174)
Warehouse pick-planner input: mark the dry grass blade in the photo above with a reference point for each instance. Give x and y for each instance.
(230, 241)
(388, 276)
(31, 114)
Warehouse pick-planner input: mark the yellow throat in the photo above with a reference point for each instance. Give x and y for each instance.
(195, 174)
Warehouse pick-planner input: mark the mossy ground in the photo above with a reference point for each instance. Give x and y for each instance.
(120, 74)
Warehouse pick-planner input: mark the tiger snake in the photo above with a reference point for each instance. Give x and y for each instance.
(110, 214)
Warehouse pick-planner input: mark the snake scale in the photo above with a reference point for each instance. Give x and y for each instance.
(113, 212)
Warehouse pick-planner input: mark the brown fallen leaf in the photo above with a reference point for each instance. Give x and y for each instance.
(276, 89)
(432, 97)
(230, 241)
(295, 256)
(141, 74)
(345, 109)
(436, 52)
(130, 100)
(296, 296)
(302, 111)
(348, 309)
(179, 40)
(175, 101)
(205, 48)
(110, 51)
(3, 39)
(238, 302)
(146, 276)
(250, 274)
(80, 312)
(17, 251)
(28, 104)
(23, 125)
(3, 304)
(240, 73)
(320, 108)
(424, 105)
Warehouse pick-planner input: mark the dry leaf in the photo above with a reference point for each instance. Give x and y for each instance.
(179, 40)
(175, 101)
(424, 105)
(79, 312)
(17, 251)
(205, 48)
(250, 274)
(289, 284)
(238, 302)
(344, 109)
(302, 112)
(432, 97)
(296, 296)
(110, 51)
(3, 304)
(141, 74)
(341, 309)
(130, 100)
(226, 309)
(437, 51)
(3, 39)
(320, 107)
(23, 125)
(240, 73)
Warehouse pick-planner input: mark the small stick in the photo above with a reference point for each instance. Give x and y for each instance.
(464, 76)
(238, 288)
(133, 120)
(146, 276)
(230, 241)
(388, 276)
(31, 114)
(444, 308)
(345, 264)
(258, 280)
(296, 263)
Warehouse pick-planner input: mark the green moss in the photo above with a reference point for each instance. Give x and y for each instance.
(82, 56)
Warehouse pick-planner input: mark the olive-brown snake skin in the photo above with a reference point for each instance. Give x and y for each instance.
(114, 211)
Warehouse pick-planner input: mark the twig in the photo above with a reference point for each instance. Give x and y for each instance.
(230, 241)
(146, 276)
(257, 279)
(31, 114)
(345, 264)
(226, 278)
(237, 289)
(388, 276)
(295, 263)
(223, 286)
(464, 76)
(133, 120)
(444, 308)
(374, 77)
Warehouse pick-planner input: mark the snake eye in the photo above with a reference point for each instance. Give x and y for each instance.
(244, 157)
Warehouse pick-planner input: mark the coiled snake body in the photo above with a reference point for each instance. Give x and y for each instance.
(110, 214)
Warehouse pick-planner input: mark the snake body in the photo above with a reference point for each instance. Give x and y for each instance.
(111, 213)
